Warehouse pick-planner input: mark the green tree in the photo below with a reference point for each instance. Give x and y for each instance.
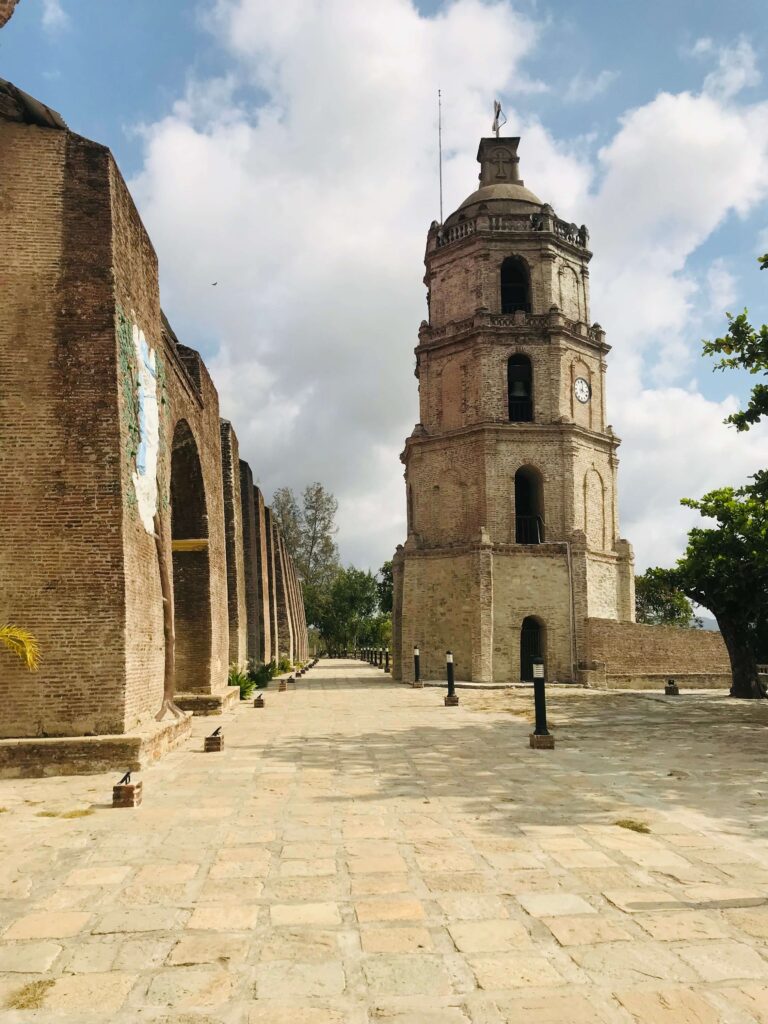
(351, 602)
(308, 530)
(658, 603)
(746, 348)
(318, 555)
(384, 587)
(725, 568)
(287, 515)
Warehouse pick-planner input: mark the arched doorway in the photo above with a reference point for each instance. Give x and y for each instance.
(531, 646)
(191, 566)
(529, 506)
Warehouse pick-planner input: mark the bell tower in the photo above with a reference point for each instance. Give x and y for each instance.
(513, 537)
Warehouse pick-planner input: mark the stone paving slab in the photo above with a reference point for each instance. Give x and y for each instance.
(358, 853)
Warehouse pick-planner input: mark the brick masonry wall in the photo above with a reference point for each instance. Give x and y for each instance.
(284, 624)
(233, 533)
(263, 594)
(634, 649)
(7, 7)
(61, 549)
(277, 639)
(250, 554)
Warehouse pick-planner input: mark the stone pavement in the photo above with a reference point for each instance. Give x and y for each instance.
(360, 853)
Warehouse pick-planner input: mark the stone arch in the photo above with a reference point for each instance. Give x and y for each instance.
(515, 285)
(529, 506)
(594, 509)
(533, 643)
(191, 564)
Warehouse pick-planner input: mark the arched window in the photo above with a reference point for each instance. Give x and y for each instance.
(520, 389)
(531, 646)
(515, 291)
(529, 506)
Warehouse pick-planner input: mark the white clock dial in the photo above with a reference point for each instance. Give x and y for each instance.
(582, 389)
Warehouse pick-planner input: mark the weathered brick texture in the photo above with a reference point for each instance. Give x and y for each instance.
(630, 653)
(512, 516)
(114, 461)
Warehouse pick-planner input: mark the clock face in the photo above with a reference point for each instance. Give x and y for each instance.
(582, 389)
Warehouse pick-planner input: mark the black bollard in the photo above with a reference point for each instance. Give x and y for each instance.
(417, 668)
(381, 657)
(386, 660)
(540, 738)
(451, 699)
(671, 688)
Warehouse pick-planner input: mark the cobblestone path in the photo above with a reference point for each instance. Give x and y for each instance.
(360, 853)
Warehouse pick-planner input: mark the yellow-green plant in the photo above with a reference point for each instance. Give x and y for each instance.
(21, 643)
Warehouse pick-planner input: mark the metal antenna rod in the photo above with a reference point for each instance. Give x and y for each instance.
(440, 147)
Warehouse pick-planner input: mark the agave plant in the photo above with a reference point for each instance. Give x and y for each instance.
(21, 643)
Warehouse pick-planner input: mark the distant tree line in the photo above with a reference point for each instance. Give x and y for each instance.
(345, 607)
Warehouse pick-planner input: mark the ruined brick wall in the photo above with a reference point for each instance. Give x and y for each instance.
(111, 443)
(235, 548)
(277, 639)
(7, 7)
(632, 652)
(60, 500)
(263, 594)
(282, 597)
(250, 560)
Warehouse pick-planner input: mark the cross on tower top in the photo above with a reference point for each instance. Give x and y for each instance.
(499, 161)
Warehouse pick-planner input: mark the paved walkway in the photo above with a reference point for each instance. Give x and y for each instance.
(360, 853)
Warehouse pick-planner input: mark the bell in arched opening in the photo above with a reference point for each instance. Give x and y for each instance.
(520, 389)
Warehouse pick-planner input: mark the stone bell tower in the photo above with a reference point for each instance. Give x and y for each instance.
(513, 538)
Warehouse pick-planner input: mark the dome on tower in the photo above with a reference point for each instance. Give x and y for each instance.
(501, 188)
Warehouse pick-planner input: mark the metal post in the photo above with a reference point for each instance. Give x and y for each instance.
(417, 667)
(451, 699)
(386, 660)
(540, 738)
(381, 657)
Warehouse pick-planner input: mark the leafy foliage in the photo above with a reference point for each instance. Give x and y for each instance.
(21, 643)
(744, 347)
(348, 608)
(384, 587)
(243, 679)
(659, 603)
(308, 531)
(725, 568)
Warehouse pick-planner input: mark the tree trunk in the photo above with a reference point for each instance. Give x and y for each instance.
(745, 681)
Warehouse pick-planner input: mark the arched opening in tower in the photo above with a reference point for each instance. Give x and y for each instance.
(191, 566)
(520, 389)
(529, 506)
(515, 286)
(531, 646)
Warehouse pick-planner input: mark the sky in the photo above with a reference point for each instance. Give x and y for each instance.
(288, 152)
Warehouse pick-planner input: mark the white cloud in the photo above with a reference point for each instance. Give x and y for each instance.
(582, 88)
(720, 286)
(311, 210)
(55, 17)
(736, 66)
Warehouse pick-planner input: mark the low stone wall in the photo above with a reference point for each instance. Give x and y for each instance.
(635, 656)
(91, 755)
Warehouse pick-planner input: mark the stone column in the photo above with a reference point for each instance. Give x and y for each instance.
(250, 541)
(234, 546)
(482, 640)
(266, 647)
